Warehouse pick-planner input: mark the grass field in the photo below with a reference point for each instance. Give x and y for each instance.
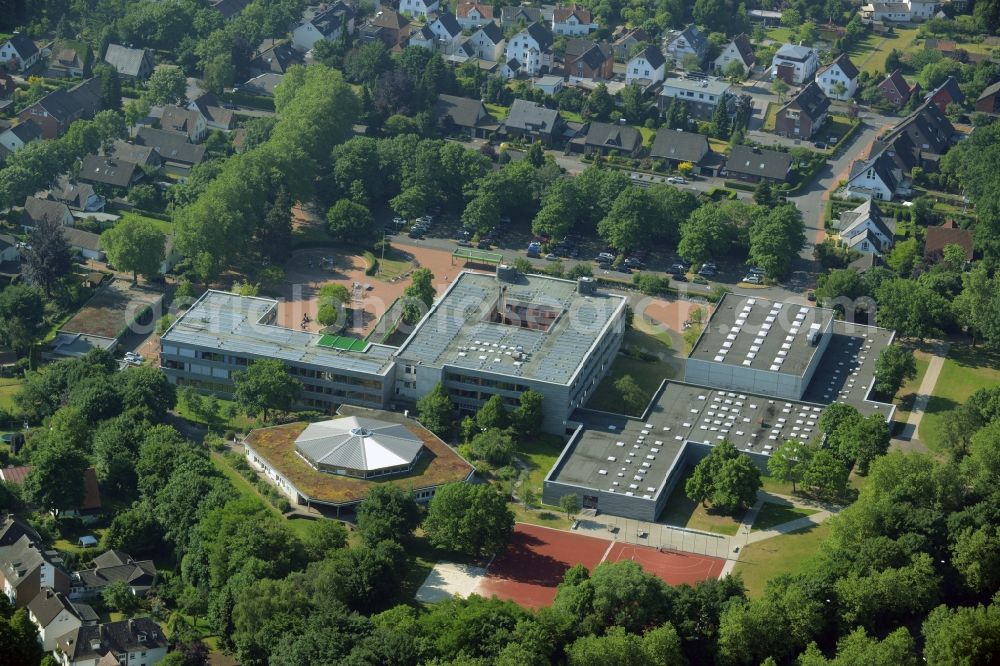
(682, 512)
(718, 146)
(163, 225)
(648, 374)
(770, 116)
(497, 111)
(394, 264)
(546, 517)
(647, 135)
(772, 514)
(780, 35)
(8, 387)
(870, 54)
(788, 553)
(966, 370)
(571, 116)
(908, 392)
(539, 456)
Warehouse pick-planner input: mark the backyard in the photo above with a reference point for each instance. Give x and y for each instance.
(683, 512)
(966, 370)
(538, 457)
(8, 387)
(788, 553)
(649, 374)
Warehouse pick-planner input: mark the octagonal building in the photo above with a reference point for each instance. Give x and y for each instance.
(359, 447)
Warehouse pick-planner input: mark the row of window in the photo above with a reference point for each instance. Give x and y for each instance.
(482, 381)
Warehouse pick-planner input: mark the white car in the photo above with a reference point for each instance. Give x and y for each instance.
(678, 180)
(753, 279)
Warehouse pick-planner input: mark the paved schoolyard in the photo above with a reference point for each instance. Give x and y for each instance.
(448, 579)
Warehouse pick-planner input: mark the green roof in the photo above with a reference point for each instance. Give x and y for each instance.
(342, 342)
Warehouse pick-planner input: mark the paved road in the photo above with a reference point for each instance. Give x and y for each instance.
(908, 438)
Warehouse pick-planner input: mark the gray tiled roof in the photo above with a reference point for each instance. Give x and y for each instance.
(759, 162)
(108, 171)
(677, 145)
(43, 209)
(23, 44)
(48, 604)
(532, 117)
(172, 146)
(126, 60)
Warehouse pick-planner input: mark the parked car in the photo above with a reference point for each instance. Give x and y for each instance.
(551, 256)
(753, 278)
(605, 256)
(483, 245)
(632, 262)
(677, 269)
(464, 243)
(819, 145)
(679, 180)
(415, 233)
(708, 270)
(811, 297)
(679, 277)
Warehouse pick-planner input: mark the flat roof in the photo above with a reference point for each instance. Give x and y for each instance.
(747, 331)
(708, 86)
(232, 323)
(458, 330)
(847, 370)
(112, 309)
(438, 465)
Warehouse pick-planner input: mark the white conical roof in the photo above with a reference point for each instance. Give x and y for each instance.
(358, 444)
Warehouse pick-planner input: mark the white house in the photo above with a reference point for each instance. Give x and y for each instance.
(739, 50)
(529, 50)
(18, 136)
(572, 20)
(135, 642)
(19, 52)
(418, 7)
(875, 178)
(472, 14)
(646, 67)
(865, 230)
(322, 22)
(794, 64)
(54, 616)
(447, 32)
(689, 41)
(488, 42)
(841, 71)
(900, 12)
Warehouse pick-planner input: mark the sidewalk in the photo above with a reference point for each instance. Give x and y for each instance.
(908, 438)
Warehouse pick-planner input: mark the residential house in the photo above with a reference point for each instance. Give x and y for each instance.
(421, 8)
(276, 59)
(839, 79)
(447, 32)
(211, 109)
(423, 38)
(387, 26)
(38, 210)
(131, 64)
(945, 94)
(758, 164)
(57, 110)
(104, 170)
(899, 12)
(77, 196)
(488, 42)
(19, 53)
(10, 251)
(54, 615)
(930, 135)
(68, 61)
(531, 122)
(573, 20)
(109, 567)
(322, 22)
(585, 59)
(136, 642)
(604, 138)
(794, 64)
(646, 67)
(989, 100)
(626, 39)
(550, 85)
(13, 528)
(520, 15)
(949, 233)
(865, 230)
(896, 90)
(463, 114)
(192, 124)
(738, 50)
(86, 243)
(25, 568)
(262, 85)
(865, 263)
(802, 115)
(687, 42)
(144, 156)
(229, 9)
(878, 177)
(16, 137)
(472, 14)
(529, 51)
(173, 147)
(674, 147)
(701, 95)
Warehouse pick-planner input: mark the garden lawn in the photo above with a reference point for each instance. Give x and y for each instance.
(393, 265)
(907, 393)
(718, 145)
(772, 514)
(788, 553)
(538, 457)
(780, 35)
(497, 111)
(870, 54)
(163, 225)
(770, 116)
(8, 388)
(682, 512)
(240, 422)
(966, 370)
(571, 116)
(546, 517)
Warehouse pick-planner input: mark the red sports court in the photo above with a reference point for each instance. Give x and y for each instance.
(537, 558)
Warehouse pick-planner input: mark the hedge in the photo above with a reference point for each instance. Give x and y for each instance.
(253, 101)
(372, 263)
(737, 185)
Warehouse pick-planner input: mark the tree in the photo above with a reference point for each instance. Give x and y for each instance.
(492, 414)
(701, 484)
(332, 299)
(469, 518)
(826, 476)
(570, 505)
(436, 411)
(493, 445)
(790, 461)
(389, 512)
(167, 85)
(135, 245)
(911, 308)
(599, 103)
(969, 635)
(111, 86)
(135, 531)
(419, 295)
(780, 88)
(976, 556)
(265, 385)
(55, 481)
(735, 487)
(22, 317)
(528, 416)
(776, 238)
(20, 642)
(119, 595)
(352, 222)
(47, 257)
(894, 366)
(147, 388)
(719, 127)
(633, 398)
(734, 71)
(685, 168)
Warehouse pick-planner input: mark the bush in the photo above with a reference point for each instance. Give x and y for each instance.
(163, 323)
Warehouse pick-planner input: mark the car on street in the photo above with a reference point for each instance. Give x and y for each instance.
(819, 145)
(463, 243)
(677, 180)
